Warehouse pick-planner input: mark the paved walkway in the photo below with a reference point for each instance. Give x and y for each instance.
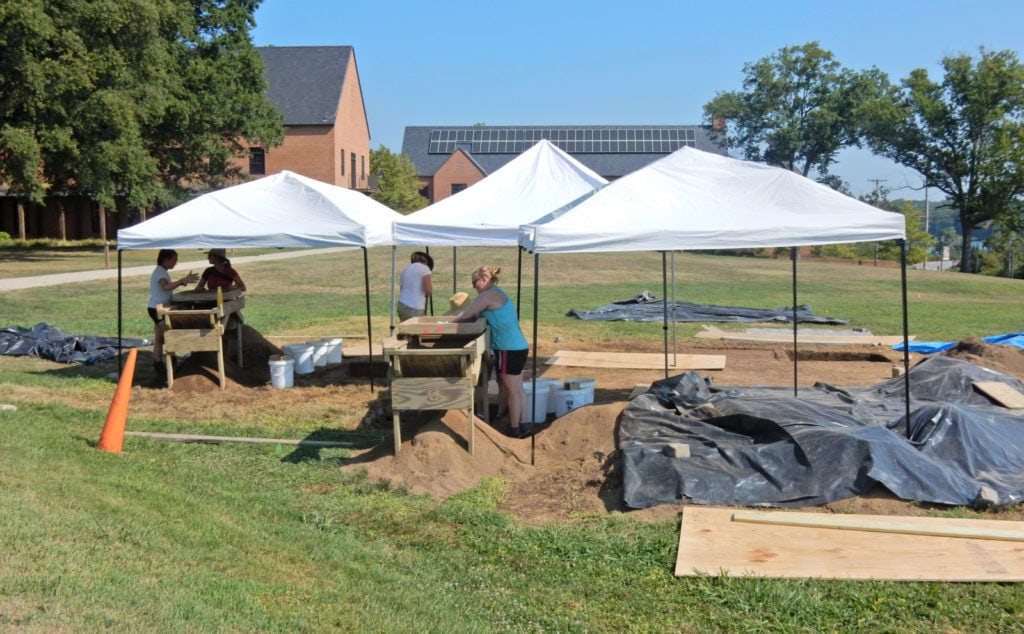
(18, 283)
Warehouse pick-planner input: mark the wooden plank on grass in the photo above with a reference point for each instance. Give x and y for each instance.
(710, 543)
(711, 332)
(1001, 393)
(637, 360)
(878, 525)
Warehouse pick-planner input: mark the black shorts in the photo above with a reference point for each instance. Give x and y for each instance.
(152, 315)
(510, 361)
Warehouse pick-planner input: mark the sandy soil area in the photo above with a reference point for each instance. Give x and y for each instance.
(569, 469)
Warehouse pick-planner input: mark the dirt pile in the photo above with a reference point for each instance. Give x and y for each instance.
(567, 470)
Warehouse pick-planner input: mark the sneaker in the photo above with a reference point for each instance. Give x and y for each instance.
(523, 431)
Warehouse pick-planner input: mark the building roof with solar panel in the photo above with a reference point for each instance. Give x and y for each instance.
(610, 150)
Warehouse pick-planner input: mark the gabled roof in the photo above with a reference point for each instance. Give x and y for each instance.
(489, 213)
(428, 147)
(693, 200)
(304, 82)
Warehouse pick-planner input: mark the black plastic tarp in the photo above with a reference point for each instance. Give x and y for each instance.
(763, 447)
(46, 342)
(646, 307)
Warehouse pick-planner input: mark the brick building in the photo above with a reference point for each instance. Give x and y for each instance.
(327, 137)
(450, 158)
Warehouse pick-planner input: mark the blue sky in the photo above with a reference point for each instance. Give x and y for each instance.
(597, 62)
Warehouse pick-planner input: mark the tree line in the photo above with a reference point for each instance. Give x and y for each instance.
(963, 133)
(130, 102)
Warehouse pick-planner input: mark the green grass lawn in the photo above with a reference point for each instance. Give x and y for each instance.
(171, 537)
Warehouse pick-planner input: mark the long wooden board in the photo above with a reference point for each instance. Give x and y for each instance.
(710, 543)
(878, 525)
(637, 360)
(1001, 393)
(711, 332)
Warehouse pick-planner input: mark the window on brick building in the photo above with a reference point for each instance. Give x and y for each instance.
(458, 187)
(363, 166)
(257, 161)
(343, 162)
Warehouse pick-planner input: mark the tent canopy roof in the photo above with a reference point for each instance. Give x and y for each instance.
(281, 210)
(490, 212)
(696, 200)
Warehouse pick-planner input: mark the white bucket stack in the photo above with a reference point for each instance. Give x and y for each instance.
(539, 413)
(282, 371)
(320, 350)
(567, 400)
(302, 354)
(586, 384)
(333, 349)
(553, 384)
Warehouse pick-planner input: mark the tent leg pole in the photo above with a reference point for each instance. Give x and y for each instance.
(664, 307)
(536, 303)
(519, 283)
(394, 268)
(120, 319)
(794, 252)
(369, 319)
(906, 335)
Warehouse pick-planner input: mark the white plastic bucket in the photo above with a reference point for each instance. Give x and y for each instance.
(319, 352)
(282, 371)
(568, 400)
(302, 354)
(586, 384)
(553, 384)
(539, 413)
(333, 349)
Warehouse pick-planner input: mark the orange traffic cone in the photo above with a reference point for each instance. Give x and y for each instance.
(112, 438)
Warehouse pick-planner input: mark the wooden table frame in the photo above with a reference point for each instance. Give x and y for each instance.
(435, 378)
(187, 338)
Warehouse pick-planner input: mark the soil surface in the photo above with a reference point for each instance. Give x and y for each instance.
(570, 469)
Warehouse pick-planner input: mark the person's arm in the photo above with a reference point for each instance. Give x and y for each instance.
(238, 282)
(481, 303)
(428, 285)
(168, 285)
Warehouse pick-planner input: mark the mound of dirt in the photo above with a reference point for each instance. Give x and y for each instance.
(569, 469)
(1005, 359)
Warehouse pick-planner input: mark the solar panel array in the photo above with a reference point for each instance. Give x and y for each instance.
(605, 140)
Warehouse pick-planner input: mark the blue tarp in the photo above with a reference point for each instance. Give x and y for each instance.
(763, 447)
(46, 342)
(929, 347)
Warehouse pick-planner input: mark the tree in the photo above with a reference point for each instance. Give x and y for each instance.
(397, 184)
(965, 136)
(127, 99)
(798, 108)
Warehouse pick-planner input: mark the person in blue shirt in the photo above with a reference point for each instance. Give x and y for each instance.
(508, 343)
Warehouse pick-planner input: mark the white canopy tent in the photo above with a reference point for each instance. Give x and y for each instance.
(694, 200)
(490, 212)
(281, 210)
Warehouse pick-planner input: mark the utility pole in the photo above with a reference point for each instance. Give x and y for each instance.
(876, 181)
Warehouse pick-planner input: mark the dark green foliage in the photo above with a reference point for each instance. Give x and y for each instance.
(798, 108)
(397, 185)
(127, 100)
(965, 135)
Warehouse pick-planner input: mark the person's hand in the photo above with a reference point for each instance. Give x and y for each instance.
(191, 278)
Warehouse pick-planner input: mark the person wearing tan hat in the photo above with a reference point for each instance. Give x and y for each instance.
(221, 275)
(416, 283)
